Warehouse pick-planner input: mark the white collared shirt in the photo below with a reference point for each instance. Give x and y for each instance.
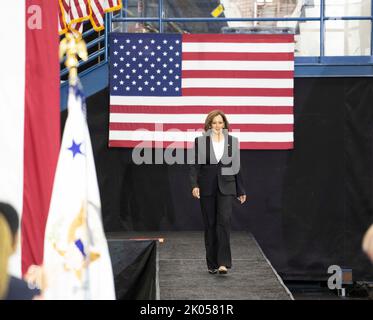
(218, 148)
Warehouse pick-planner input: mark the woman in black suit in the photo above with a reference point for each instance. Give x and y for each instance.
(216, 180)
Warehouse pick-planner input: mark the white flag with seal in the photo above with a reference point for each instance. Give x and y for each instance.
(76, 255)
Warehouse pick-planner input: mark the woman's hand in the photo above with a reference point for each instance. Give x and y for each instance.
(242, 198)
(195, 193)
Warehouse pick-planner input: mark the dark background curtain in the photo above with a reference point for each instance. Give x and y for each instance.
(307, 207)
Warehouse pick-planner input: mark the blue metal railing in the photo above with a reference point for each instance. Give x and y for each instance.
(320, 60)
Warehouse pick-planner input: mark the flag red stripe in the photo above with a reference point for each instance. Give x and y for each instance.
(111, 4)
(239, 38)
(165, 144)
(78, 25)
(60, 20)
(99, 7)
(238, 74)
(150, 144)
(267, 145)
(41, 131)
(255, 92)
(78, 9)
(195, 126)
(244, 56)
(201, 109)
(95, 13)
(66, 7)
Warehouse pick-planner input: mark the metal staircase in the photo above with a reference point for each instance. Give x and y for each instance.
(93, 73)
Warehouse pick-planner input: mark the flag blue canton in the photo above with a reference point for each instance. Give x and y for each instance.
(145, 64)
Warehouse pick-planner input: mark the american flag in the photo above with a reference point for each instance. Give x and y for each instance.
(72, 13)
(99, 8)
(162, 86)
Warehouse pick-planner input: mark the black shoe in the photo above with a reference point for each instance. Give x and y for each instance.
(212, 271)
(223, 270)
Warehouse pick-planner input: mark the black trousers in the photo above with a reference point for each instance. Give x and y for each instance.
(217, 211)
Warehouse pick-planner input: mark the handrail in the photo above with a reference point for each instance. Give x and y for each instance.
(122, 16)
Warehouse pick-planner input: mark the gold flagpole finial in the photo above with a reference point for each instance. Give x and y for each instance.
(73, 45)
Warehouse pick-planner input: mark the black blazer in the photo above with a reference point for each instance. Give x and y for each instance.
(208, 174)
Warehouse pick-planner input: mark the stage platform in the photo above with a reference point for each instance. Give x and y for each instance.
(181, 272)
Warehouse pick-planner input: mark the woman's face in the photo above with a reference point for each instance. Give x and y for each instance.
(217, 124)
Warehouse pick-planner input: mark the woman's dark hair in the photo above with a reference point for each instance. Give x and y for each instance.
(210, 117)
(11, 216)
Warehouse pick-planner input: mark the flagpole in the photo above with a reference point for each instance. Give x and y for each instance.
(73, 46)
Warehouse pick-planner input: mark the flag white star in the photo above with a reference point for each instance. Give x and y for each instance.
(170, 83)
(170, 71)
(165, 53)
(176, 89)
(146, 47)
(140, 41)
(158, 47)
(115, 40)
(177, 41)
(133, 47)
(127, 65)
(146, 71)
(171, 59)
(158, 59)
(146, 83)
(177, 65)
(151, 89)
(128, 40)
(164, 77)
(140, 65)
(146, 59)
(115, 88)
(158, 71)
(164, 89)
(158, 83)
(177, 53)
(122, 46)
(152, 41)
(133, 82)
(127, 88)
(165, 41)
(115, 64)
(140, 53)
(176, 77)
(139, 88)
(121, 58)
(128, 76)
(121, 82)
(121, 70)
(140, 76)
(152, 65)
(164, 65)
(171, 47)
(115, 53)
(133, 70)
(128, 53)
(152, 77)
(115, 76)
(152, 53)
(134, 59)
